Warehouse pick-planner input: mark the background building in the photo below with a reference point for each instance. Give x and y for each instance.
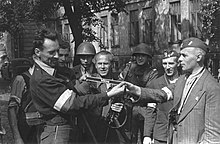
(154, 22)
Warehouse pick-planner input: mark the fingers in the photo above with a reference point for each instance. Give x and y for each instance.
(121, 84)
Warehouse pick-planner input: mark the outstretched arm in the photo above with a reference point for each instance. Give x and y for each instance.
(150, 95)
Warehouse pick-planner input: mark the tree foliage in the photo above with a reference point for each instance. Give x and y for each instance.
(80, 14)
(210, 10)
(12, 14)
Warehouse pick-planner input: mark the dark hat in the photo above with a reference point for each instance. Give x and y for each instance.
(143, 48)
(194, 42)
(169, 53)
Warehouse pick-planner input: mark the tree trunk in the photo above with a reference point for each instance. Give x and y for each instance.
(75, 22)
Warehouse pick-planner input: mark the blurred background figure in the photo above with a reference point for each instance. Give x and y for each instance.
(64, 59)
(139, 72)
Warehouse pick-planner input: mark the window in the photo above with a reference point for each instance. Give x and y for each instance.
(196, 19)
(66, 32)
(114, 31)
(148, 35)
(175, 18)
(104, 31)
(134, 28)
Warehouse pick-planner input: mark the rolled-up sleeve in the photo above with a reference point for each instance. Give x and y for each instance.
(17, 89)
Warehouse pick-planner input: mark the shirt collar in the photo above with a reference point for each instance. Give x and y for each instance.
(31, 70)
(84, 71)
(44, 66)
(196, 74)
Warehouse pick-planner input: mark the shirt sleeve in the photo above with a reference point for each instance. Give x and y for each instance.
(155, 95)
(17, 89)
(149, 121)
(56, 95)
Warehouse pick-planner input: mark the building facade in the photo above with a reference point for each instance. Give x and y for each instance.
(154, 22)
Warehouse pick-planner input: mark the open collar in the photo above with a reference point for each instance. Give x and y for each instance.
(44, 66)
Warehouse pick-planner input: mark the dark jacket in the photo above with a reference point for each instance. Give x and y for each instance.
(139, 75)
(161, 122)
(52, 97)
(141, 113)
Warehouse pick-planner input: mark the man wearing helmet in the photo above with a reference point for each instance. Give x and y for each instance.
(140, 73)
(85, 51)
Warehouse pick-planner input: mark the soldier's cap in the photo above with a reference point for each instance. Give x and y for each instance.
(194, 42)
(169, 53)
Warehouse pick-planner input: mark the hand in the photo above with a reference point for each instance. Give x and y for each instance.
(131, 88)
(82, 88)
(118, 89)
(147, 140)
(117, 107)
(83, 77)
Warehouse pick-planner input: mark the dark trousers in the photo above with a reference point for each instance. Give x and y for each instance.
(63, 134)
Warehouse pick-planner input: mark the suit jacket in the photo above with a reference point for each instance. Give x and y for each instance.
(161, 122)
(199, 121)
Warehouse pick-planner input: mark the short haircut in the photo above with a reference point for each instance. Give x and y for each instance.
(107, 53)
(40, 36)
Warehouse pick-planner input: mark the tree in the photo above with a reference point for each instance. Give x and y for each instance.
(210, 10)
(12, 14)
(80, 14)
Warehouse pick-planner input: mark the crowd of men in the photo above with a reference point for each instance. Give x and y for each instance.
(90, 103)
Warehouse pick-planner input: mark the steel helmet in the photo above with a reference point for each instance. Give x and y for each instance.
(143, 48)
(86, 48)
